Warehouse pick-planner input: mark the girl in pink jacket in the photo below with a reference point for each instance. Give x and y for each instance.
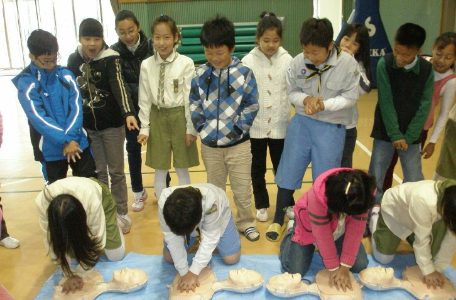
(332, 216)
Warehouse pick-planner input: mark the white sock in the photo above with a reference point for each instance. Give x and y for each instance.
(138, 194)
(374, 219)
(160, 181)
(183, 176)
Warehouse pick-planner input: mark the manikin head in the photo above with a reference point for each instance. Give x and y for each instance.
(243, 278)
(129, 278)
(379, 275)
(285, 283)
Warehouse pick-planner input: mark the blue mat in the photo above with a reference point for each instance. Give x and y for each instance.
(161, 273)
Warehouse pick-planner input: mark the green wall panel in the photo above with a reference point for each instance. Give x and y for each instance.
(198, 12)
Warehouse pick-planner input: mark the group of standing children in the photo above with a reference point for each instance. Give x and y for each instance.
(152, 94)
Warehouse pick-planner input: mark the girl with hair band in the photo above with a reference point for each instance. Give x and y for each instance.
(164, 89)
(331, 215)
(77, 217)
(269, 63)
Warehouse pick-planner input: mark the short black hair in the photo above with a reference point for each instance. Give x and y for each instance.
(42, 42)
(350, 192)
(410, 35)
(317, 32)
(217, 33)
(126, 14)
(183, 210)
(449, 208)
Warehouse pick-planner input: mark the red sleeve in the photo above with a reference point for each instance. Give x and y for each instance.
(321, 227)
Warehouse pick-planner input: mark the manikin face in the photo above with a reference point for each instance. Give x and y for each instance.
(443, 59)
(164, 40)
(316, 54)
(219, 57)
(91, 45)
(378, 275)
(285, 282)
(129, 277)
(349, 44)
(244, 277)
(404, 55)
(128, 32)
(269, 42)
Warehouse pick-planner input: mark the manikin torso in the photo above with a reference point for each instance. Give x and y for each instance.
(290, 285)
(239, 281)
(124, 281)
(380, 278)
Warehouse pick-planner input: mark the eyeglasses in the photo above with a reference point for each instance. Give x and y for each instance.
(50, 61)
(131, 32)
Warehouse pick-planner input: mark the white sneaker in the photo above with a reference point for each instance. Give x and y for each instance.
(262, 215)
(124, 222)
(139, 202)
(290, 213)
(9, 243)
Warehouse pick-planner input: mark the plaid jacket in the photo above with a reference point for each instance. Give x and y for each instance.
(223, 103)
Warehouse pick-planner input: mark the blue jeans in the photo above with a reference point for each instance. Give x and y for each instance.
(382, 153)
(296, 258)
(134, 158)
(309, 141)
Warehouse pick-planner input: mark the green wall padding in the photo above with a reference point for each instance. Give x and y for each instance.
(238, 11)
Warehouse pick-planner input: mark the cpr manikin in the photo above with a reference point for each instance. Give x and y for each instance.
(290, 285)
(380, 279)
(239, 281)
(124, 281)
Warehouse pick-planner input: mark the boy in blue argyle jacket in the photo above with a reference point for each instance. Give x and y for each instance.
(223, 104)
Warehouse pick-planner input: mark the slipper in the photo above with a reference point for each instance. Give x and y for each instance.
(277, 229)
(252, 234)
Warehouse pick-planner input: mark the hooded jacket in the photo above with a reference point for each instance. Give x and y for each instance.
(223, 103)
(53, 105)
(106, 98)
(131, 63)
(314, 226)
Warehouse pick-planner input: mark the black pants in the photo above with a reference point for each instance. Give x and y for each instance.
(4, 233)
(84, 167)
(259, 149)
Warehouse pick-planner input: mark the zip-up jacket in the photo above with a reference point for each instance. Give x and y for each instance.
(223, 103)
(131, 63)
(53, 105)
(314, 226)
(106, 98)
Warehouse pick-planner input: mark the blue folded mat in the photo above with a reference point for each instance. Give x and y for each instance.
(161, 273)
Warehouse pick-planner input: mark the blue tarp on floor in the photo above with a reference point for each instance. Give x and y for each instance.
(161, 273)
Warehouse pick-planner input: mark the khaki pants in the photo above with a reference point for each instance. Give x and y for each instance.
(236, 162)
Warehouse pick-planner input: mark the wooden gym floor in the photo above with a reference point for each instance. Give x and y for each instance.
(24, 270)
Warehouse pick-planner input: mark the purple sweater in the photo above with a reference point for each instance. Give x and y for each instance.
(313, 225)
